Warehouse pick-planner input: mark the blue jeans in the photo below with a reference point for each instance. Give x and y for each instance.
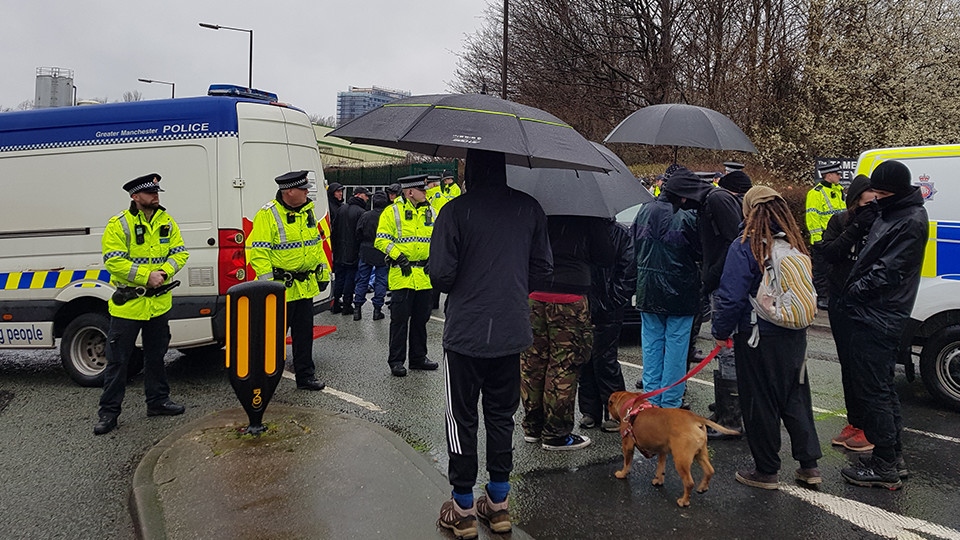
(665, 341)
(379, 275)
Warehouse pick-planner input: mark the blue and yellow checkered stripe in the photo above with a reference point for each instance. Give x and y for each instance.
(942, 256)
(53, 279)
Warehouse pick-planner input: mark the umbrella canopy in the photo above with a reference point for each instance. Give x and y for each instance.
(677, 124)
(450, 124)
(581, 193)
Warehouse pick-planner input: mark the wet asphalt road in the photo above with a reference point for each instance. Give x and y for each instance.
(62, 482)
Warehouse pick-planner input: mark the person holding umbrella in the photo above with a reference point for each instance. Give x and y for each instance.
(485, 333)
(403, 234)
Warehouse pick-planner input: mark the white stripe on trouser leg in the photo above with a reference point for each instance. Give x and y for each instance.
(453, 440)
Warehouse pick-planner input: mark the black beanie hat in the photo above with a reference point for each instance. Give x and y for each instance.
(891, 176)
(736, 181)
(859, 184)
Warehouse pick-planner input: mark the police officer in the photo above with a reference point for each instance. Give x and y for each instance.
(142, 250)
(403, 234)
(449, 185)
(285, 245)
(823, 201)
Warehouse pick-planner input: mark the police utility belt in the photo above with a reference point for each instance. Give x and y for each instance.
(124, 294)
(422, 264)
(288, 276)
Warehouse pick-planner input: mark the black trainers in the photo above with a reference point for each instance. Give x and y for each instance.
(337, 307)
(610, 426)
(462, 521)
(347, 309)
(377, 313)
(570, 442)
(639, 384)
(899, 464)
(398, 370)
(167, 408)
(873, 472)
(587, 422)
(424, 365)
(310, 384)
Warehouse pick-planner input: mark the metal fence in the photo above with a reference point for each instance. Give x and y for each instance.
(385, 175)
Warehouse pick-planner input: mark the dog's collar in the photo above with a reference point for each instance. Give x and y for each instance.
(629, 413)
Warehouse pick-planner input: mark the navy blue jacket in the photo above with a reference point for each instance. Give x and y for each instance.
(668, 252)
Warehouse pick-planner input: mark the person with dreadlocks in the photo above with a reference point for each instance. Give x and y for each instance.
(771, 374)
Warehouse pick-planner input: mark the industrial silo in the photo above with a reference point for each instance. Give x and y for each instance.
(54, 87)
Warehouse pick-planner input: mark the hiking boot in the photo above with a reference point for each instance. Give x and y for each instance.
(858, 442)
(570, 442)
(587, 422)
(845, 433)
(377, 313)
(810, 477)
(496, 515)
(462, 521)
(357, 314)
(874, 472)
(758, 480)
(610, 426)
(899, 464)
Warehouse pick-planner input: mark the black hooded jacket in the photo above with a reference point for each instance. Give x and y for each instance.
(719, 213)
(883, 283)
(487, 246)
(613, 286)
(843, 239)
(367, 230)
(346, 243)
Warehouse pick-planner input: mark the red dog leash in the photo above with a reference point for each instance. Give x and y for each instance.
(630, 409)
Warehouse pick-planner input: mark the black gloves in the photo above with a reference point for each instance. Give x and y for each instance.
(426, 268)
(865, 216)
(404, 263)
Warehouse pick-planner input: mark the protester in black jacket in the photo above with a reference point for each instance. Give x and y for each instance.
(610, 294)
(346, 248)
(487, 246)
(844, 237)
(878, 298)
(371, 259)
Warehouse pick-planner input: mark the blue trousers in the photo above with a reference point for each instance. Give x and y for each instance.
(665, 340)
(379, 277)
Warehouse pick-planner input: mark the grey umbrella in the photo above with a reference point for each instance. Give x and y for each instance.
(450, 124)
(677, 124)
(581, 193)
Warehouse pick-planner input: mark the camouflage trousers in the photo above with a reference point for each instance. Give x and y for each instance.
(562, 341)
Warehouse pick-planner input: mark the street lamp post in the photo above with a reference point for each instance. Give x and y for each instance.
(173, 86)
(250, 69)
(506, 42)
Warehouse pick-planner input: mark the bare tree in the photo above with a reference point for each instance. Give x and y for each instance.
(131, 95)
(328, 121)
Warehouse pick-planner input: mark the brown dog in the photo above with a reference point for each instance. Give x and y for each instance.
(661, 431)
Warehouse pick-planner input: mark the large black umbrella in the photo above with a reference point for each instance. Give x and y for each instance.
(677, 124)
(450, 124)
(581, 193)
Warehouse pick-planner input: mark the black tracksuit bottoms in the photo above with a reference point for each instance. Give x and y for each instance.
(873, 358)
(601, 375)
(468, 380)
(771, 389)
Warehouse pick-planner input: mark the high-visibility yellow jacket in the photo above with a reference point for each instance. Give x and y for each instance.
(823, 201)
(132, 248)
(453, 190)
(437, 198)
(286, 239)
(405, 228)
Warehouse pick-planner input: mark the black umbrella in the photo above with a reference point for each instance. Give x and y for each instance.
(450, 124)
(677, 124)
(581, 193)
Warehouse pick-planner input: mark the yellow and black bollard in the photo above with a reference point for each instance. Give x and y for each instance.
(256, 328)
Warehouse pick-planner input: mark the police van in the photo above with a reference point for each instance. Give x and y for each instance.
(934, 326)
(61, 172)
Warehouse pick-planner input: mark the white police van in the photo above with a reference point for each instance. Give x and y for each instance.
(61, 172)
(934, 326)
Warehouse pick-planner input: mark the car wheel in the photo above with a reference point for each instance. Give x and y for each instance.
(940, 366)
(83, 350)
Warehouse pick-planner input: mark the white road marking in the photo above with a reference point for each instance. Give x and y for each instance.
(933, 435)
(871, 518)
(350, 398)
(438, 319)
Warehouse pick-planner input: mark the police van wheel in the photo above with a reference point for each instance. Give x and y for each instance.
(940, 366)
(83, 348)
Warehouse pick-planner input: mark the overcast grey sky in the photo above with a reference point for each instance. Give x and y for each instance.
(305, 51)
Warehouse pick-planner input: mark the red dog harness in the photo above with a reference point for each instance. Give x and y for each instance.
(633, 407)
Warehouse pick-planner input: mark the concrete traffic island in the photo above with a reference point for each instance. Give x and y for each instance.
(313, 474)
